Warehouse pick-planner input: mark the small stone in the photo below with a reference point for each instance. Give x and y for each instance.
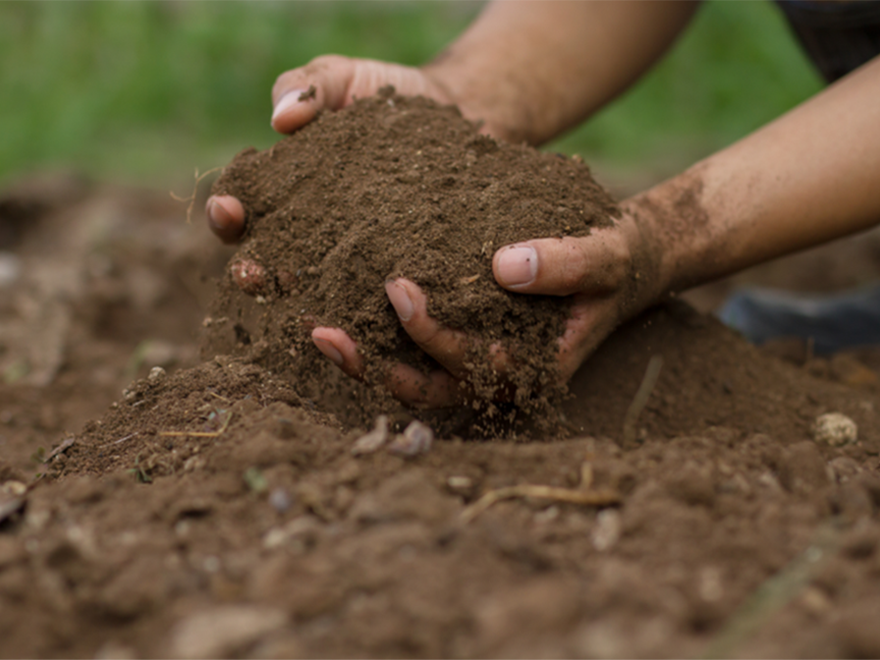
(115, 651)
(15, 488)
(280, 499)
(416, 439)
(374, 440)
(10, 269)
(607, 530)
(457, 483)
(223, 631)
(835, 429)
(157, 374)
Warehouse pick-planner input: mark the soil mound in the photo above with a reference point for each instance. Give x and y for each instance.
(403, 187)
(213, 512)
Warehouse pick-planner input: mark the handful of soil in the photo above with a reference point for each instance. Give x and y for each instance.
(394, 186)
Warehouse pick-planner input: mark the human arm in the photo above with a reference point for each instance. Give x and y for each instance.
(527, 70)
(806, 178)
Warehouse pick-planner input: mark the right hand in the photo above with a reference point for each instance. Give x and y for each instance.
(337, 82)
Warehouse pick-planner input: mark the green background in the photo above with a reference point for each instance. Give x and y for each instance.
(147, 92)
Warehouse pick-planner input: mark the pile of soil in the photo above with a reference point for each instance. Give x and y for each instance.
(213, 508)
(403, 187)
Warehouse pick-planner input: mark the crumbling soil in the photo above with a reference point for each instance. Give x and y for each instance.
(403, 187)
(214, 508)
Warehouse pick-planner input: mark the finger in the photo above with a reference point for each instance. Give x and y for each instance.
(225, 217)
(299, 94)
(340, 349)
(439, 389)
(447, 346)
(593, 264)
(405, 383)
(590, 323)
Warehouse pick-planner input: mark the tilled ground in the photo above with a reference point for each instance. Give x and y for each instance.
(214, 510)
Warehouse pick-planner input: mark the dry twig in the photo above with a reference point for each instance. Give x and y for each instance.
(570, 495)
(64, 446)
(640, 400)
(192, 198)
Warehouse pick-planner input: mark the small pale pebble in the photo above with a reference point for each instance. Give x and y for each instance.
(156, 375)
(458, 483)
(606, 533)
(15, 488)
(416, 439)
(374, 440)
(223, 631)
(280, 499)
(835, 429)
(10, 269)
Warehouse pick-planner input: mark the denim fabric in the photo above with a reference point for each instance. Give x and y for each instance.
(839, 36)
(833, 322)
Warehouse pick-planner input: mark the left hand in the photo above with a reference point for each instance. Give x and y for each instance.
(610, 274)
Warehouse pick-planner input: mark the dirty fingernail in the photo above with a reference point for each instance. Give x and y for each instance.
(400, 300)
(286, 102)
(517, 265)
(329, 350)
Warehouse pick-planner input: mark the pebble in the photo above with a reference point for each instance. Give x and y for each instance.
(835, 429)
(607, 531)
(115, 651)
(223, 631)
(15, 488)
(10, 269)
(416, 439)
(157, 374)
(280, 499)
(458, 483)
(374, 440)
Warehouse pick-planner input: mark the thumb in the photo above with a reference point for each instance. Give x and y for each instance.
(299, 94)
(594, 264)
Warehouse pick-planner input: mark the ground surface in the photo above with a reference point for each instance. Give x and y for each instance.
(215, 511)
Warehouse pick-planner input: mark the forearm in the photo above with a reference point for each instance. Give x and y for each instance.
(534, 69)
(809, 177)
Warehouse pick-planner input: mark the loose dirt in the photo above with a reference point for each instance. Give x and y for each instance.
(402, 187)
(212, 507)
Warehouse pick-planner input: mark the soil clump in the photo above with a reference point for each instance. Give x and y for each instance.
(403, 187)
(214, 509)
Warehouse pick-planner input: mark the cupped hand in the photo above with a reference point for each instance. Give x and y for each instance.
(328, 82)
(611, 275)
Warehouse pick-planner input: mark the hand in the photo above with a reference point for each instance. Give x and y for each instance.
(335, 82)
(610, 274)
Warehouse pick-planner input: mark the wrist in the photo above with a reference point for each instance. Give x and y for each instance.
(485, 102)
(652, 272)
(676, 224)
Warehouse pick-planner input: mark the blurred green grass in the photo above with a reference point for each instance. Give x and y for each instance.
(148, 91)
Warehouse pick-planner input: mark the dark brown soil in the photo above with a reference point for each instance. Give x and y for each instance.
(215, 510)
(402, 187)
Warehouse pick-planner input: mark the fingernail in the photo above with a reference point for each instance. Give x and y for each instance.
(286, 102)
(329, 350)
(517, 265)
(399, 300)
(218, 215)
(221, 213)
